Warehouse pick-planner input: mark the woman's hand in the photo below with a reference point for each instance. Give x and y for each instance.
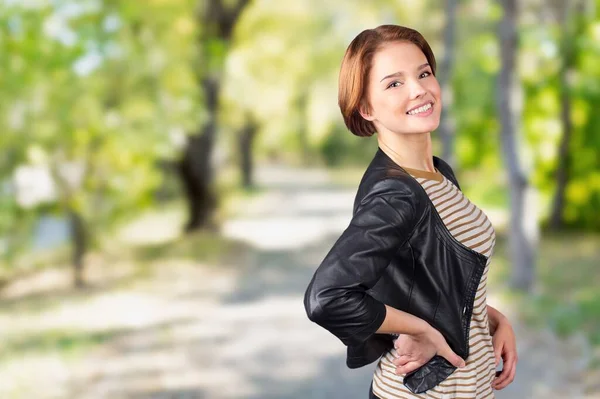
(416, 350)
(505, 347)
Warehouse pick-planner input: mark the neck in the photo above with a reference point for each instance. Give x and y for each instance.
(408, 150)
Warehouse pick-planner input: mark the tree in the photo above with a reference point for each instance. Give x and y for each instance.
(217, 22)
(246, 144)
(100, 96)
(562, 53)
(571, 23)
(523, 225)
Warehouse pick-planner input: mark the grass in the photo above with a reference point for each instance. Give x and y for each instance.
(32, 262)
(69, 343)
(119, 266)
(569, 277)
(136, 252)
(206, 247)
(566, 297)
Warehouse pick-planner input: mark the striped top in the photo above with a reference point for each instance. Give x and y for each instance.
(470, 226)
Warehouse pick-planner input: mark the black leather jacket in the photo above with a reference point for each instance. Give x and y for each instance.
(396, 251)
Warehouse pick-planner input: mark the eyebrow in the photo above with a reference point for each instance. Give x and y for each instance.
(400, 73)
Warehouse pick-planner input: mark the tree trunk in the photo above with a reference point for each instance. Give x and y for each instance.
(78, 240)
(523, 225)
(195, 168)
(217, 22)
(556, 217)
(447, 126)
(246, 142)
(569, 53)
(302, 107)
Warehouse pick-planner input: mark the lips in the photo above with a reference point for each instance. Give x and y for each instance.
(419, 106)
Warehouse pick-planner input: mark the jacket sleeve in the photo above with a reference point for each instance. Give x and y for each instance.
(336, 297)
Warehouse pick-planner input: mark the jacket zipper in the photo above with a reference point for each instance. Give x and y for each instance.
(470, 299)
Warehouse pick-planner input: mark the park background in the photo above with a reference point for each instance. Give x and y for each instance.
(173, 171)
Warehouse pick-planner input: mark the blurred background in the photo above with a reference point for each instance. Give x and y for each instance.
(173, 171)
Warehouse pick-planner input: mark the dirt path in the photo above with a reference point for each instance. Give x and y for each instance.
(241, 332)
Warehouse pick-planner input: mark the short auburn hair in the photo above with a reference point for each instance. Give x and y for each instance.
(356, 66)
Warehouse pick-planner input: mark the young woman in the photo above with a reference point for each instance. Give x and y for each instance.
(406, 282)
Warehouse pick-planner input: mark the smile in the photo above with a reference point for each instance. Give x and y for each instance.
(424, 110)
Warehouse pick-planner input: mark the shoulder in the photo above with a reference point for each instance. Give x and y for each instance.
(385, 202)
(395, 188)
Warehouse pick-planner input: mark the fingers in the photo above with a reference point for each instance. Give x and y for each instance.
(508, 372)
(402, 343)
(498, 353)
(452, 357)
(407, 368)
(401, 360)
(504, 379)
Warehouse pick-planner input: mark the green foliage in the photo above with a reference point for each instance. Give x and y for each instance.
(67, 343)
(544, 55)
(341, 147)
(93, 95)
(107, 90)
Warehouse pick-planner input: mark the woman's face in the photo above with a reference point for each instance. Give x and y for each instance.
(404, 95)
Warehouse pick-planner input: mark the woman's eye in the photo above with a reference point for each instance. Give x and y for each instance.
(426, 73)
(394, 84)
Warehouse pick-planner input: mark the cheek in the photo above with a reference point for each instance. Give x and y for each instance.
(435, 89)
(378, 101)
(389, 104)
(397, 104)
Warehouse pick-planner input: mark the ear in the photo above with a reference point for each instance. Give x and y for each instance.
(365, 111)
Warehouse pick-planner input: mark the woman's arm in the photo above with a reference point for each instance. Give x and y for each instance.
(505, 347)
(336, 297)
(418, 343)
(400, 322)
(494, 319)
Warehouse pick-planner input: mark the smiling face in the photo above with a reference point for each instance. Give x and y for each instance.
(403, 94)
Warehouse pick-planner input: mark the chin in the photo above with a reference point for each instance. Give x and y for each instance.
(424, 128)
(433, 124)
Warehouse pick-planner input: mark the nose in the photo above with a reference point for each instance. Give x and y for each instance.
(416, 89)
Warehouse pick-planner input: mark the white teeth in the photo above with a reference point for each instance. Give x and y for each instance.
(424, 108)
